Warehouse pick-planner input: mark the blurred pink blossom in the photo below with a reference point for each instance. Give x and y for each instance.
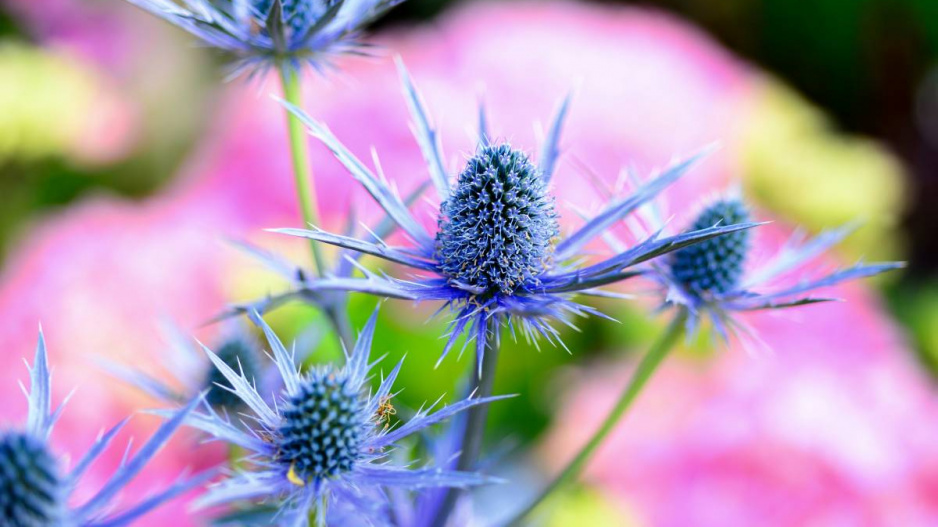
(833, 427)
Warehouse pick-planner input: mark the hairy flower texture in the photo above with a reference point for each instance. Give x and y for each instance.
(496, 258)
(710, 279)
(35, 488)
(193, 374)
(497, 229)
(265, 33)
(326, 438)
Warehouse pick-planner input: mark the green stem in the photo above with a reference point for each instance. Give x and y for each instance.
(646, 368)
(306, 192)
(299, 149)
(475, 425)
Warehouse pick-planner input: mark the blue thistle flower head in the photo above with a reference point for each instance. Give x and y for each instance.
(265, 33)
(714, 266)
(497, 258)
(35, 488)
(326, 438)
(713, 279)
(31, 490)
(324, 424)
(497, 228)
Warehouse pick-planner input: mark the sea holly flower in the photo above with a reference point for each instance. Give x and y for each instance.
(35, 488)
(265, 33)
(711, 279)
(497, 256)
(326, 440)
(192, 373)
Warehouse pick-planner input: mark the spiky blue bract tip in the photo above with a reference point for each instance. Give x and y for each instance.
(238, 354)
(298, 15)
(323, 427)
(497, 228)
(714, 265)
(31, 490)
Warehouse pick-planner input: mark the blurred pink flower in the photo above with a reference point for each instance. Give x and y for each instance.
(835, 428)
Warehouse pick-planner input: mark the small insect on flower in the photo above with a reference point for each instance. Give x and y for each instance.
(325, 439)
(273, 33)
(710, 279)
(35, 489)
(497, 258)
(385, 411)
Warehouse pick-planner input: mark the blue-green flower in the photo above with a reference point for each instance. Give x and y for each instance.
(326, 438)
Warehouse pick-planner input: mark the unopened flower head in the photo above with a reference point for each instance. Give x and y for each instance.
(36, 488)
(714, 266)
(326, 438)
(497, 257)
(265, 33)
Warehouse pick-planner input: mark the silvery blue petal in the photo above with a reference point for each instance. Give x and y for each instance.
(379, 190)
(135, 464)
(551, 148)
(388, 253)
(40, 418)
(619, 209)
(427, 137)
(243, 388)
(282, 358)
(424, 419)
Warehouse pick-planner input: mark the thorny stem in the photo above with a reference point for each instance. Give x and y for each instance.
(646, 368)
(475, 424)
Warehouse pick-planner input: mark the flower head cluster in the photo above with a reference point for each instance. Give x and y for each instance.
(265, 33)
(35, 488)
(711, 279)
(497, 257)
(327, 436)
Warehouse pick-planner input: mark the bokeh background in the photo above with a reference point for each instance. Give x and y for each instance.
(126, 162)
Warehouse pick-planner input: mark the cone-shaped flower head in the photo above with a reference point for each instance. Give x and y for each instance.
(35, 487)
(714, 265)
(497, 227)
(31, 489)
(265, 33)
(497, 258)
(326, 438)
